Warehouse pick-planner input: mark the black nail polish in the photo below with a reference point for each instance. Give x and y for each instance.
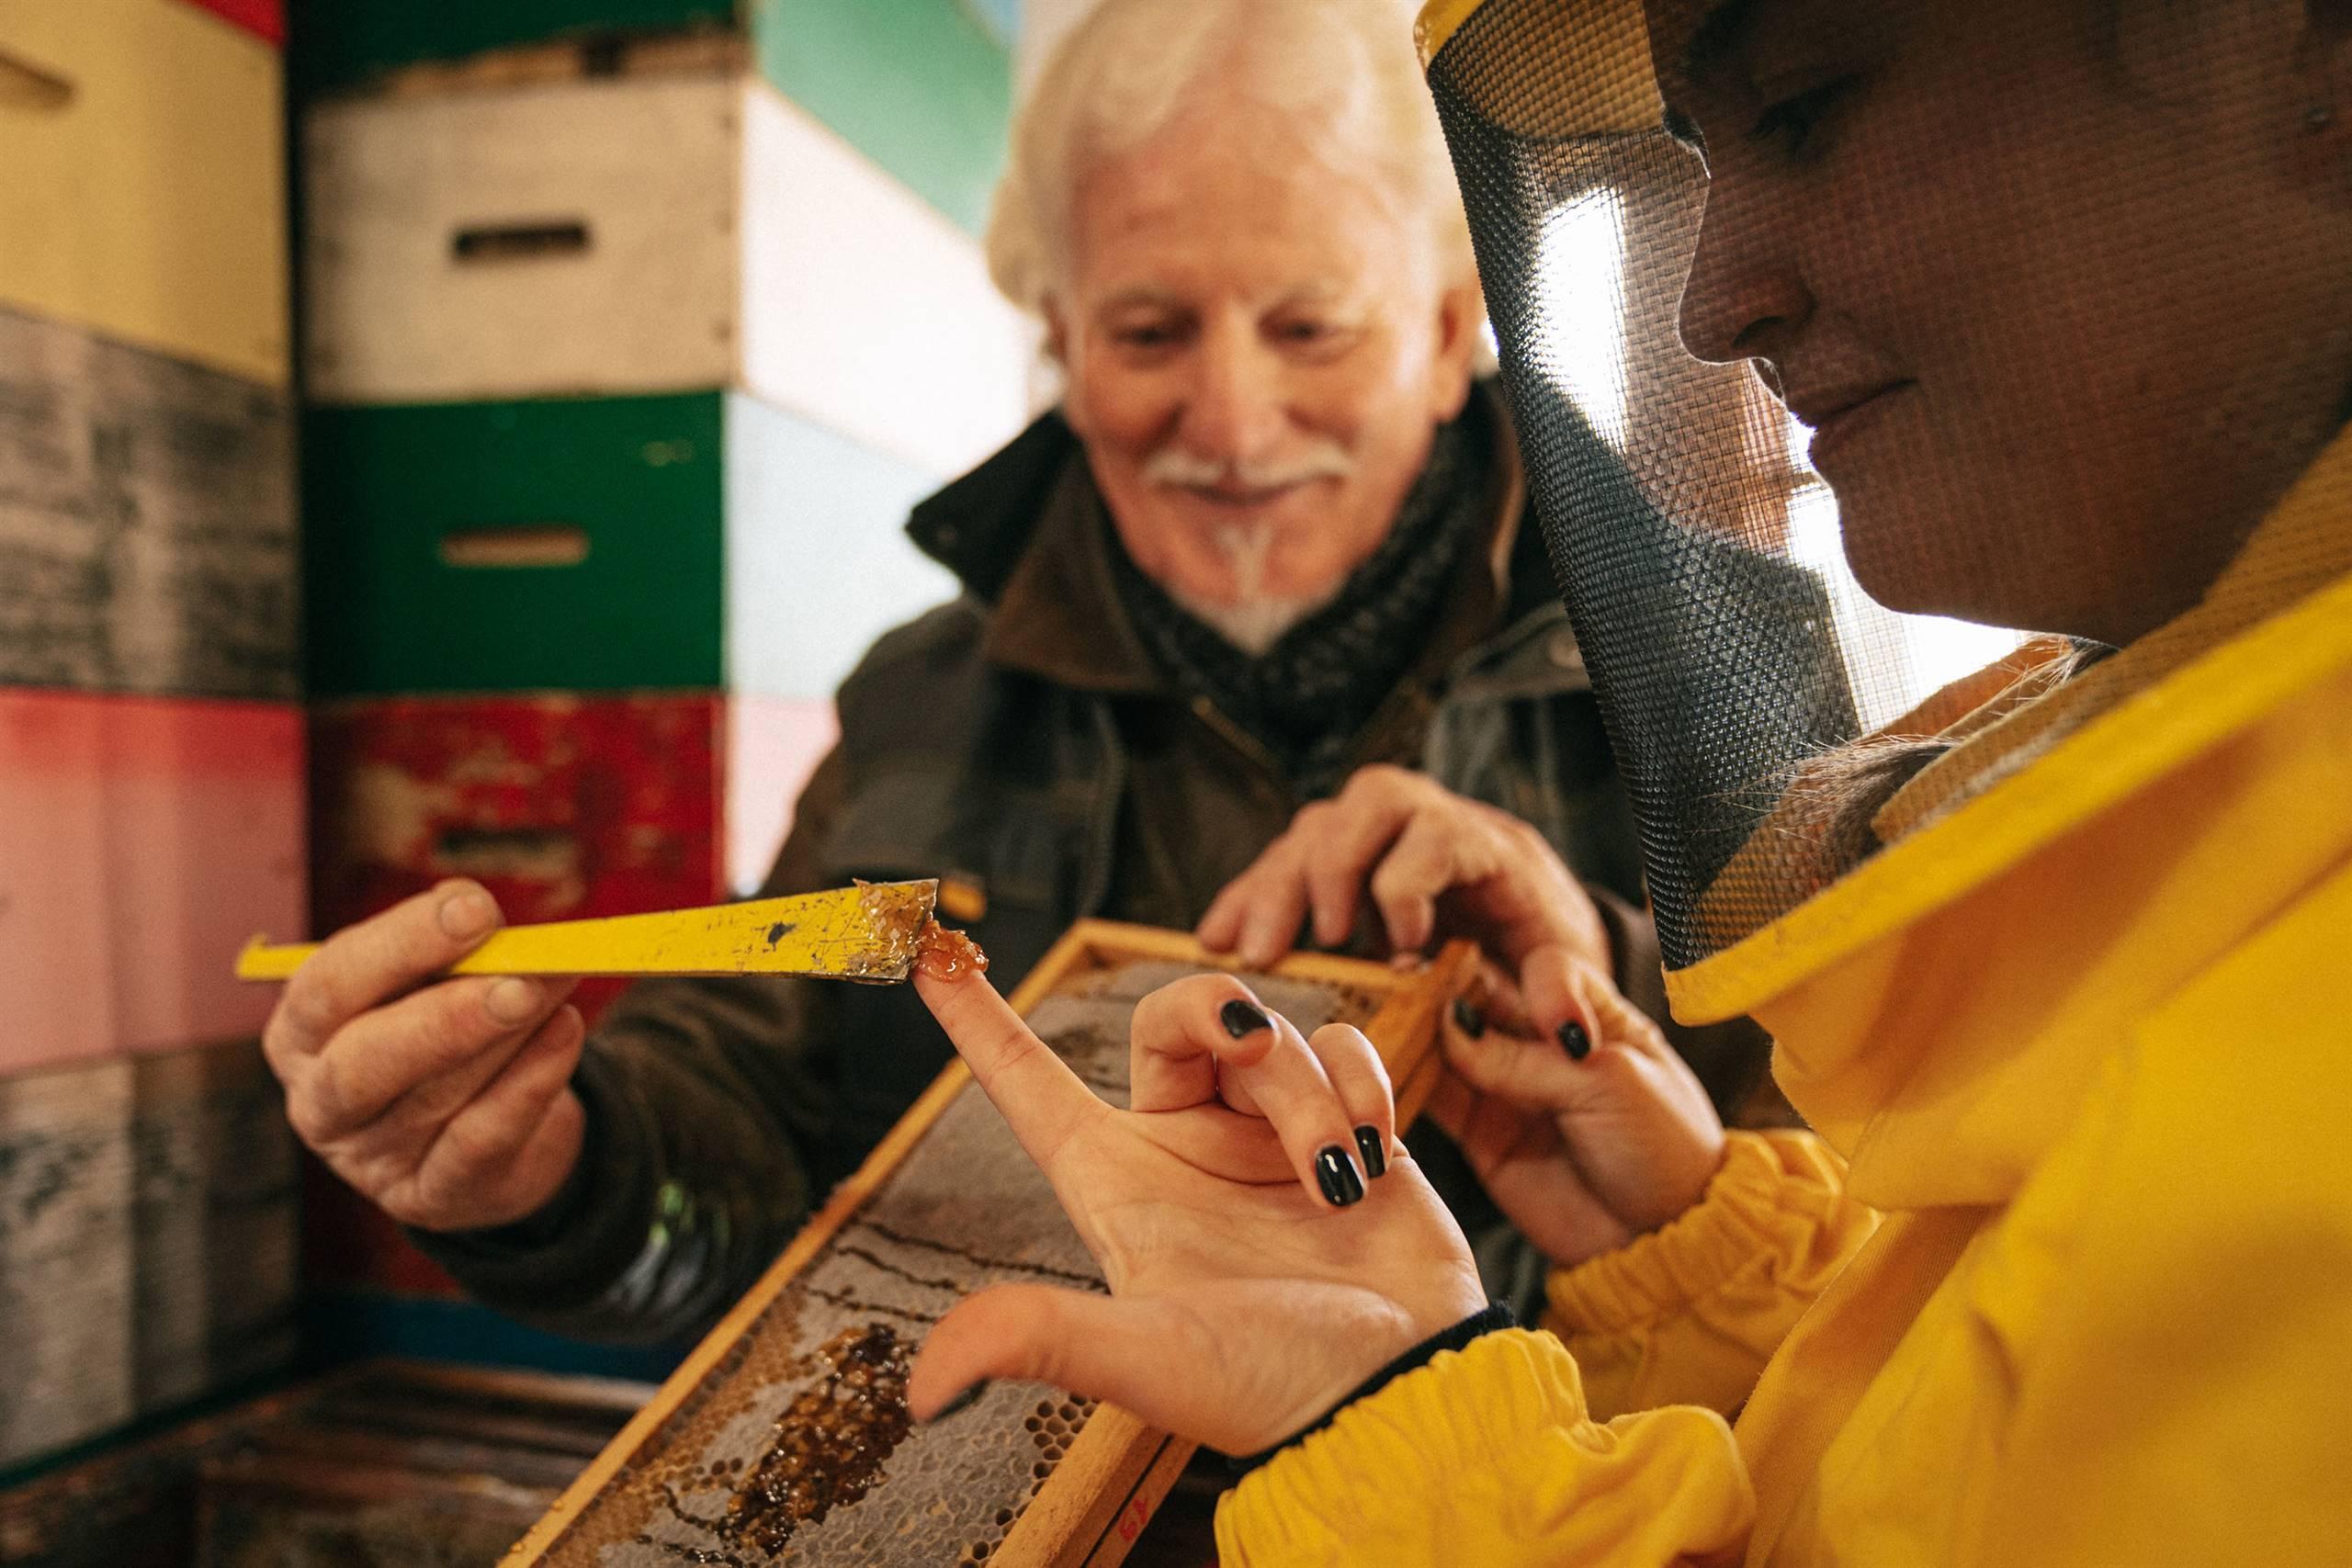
(1336, 1174)
(1243, 1018)
(1371, 1147)
(963, 1400)
(1468, 1019)
(1575, 1041)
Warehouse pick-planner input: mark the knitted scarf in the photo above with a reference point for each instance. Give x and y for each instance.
(1308, 697)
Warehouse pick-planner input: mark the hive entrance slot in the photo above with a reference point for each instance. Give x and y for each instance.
(519, 546)
(519, 241)
(24, 86)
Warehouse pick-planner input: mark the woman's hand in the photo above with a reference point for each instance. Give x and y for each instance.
(1579, 1118)
(1258, 1271)
(1435, 864)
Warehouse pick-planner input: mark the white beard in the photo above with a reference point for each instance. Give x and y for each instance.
(1254, 620)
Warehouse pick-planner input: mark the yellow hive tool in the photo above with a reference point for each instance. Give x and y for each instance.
(867, 933)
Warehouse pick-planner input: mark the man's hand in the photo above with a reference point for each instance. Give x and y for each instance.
(451, 1106)
(1245, 1301)
(1580, 1121)
(1437, 865)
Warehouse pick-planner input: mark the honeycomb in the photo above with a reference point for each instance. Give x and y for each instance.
(796, 1448)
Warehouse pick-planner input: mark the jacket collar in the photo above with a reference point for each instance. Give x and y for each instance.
(1026, 535)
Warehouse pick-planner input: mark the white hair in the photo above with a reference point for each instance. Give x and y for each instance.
(1344, 70)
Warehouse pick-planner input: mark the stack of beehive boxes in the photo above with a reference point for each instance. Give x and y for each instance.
(632, 329)
(151, 733)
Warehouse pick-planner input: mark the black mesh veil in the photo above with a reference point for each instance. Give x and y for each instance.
(1729, 642)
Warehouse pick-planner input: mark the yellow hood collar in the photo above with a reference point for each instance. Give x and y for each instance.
(2025, 779)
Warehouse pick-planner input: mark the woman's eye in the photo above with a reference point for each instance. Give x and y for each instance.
(1792, 121)
(1153, 336)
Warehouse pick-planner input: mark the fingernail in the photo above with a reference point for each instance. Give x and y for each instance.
(1242, 1019)
(1375, 1150)
(1336, 1174)
(962, 1402)
(1575, 1041)
(467, 913)
(512, 1000)
(1467, 1019)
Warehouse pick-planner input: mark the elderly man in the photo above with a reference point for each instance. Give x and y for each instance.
(1270, 539)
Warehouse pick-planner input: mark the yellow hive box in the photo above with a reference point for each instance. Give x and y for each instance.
(141, 189)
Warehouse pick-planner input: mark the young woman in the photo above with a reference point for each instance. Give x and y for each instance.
(2064, 288)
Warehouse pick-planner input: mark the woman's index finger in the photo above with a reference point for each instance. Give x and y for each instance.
(1034, 1090)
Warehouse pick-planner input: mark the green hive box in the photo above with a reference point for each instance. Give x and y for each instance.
(924, 88)
(697, 541)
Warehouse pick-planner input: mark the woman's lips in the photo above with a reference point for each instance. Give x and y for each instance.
(1839, 421)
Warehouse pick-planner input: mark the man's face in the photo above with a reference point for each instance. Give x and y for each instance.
(2046, 277)
(1257, 351)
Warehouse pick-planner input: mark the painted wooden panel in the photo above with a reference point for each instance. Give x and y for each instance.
(564, 806)
(142, 191)
(645, 235)
(818, 563)
(866, 311)
(921, 87)
(263, 18)
(772, 745)
(680, 542)
(66, 1181)
(147, 536)
(216, 1228)
(346, 44)
(143, 841)
(579, 238)
(571, 544)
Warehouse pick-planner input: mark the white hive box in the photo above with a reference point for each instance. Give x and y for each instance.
(639, 234)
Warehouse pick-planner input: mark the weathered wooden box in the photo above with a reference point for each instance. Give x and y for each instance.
(147, 539)
(947, 1205)
(148, 1231)
(647, 233)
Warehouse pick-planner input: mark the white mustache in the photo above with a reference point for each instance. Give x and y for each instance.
(1177, 468)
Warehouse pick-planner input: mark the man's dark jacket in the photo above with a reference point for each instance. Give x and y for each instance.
(1019, 740)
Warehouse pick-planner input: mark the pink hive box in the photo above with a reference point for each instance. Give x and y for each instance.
(141, 841)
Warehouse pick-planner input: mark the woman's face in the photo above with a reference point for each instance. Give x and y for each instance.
(2063, 287)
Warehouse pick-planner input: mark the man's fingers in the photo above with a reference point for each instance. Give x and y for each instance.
(447, 1040)
(359, 967)
(1428, 860)
(1257, 915)
(1354, 836)
(509, 1146)
(1040, 1099)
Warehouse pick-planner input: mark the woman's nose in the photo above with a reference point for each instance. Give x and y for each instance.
(1743, 297)
(1233, 412)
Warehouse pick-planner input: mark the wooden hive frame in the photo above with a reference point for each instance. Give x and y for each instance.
(1118, 1468)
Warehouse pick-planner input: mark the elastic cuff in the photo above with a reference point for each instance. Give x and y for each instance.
(1494, 1318)
(583, 1237)
(1761, 1210)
